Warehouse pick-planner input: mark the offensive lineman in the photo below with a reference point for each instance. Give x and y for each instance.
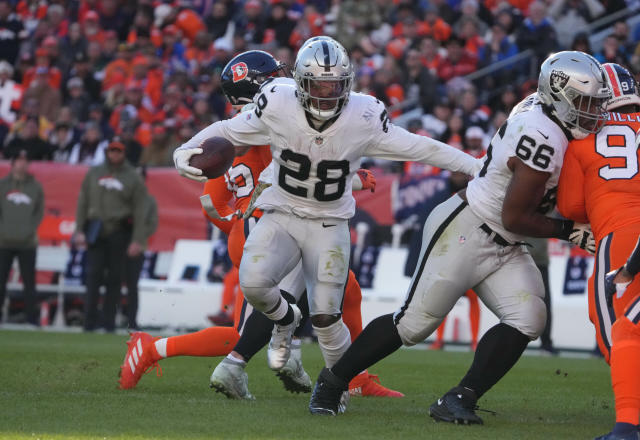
(475, 241)
(599, 183)
(318, 131)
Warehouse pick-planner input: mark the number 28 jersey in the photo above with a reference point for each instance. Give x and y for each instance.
(530, 135)
(600, 183)
(313, 170)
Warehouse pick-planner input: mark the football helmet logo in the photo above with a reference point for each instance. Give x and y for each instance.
(240, 71)
(558, 80)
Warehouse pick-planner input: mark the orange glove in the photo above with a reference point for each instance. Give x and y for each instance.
(368, 179)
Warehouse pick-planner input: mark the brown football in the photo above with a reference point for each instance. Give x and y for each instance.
(216, 157)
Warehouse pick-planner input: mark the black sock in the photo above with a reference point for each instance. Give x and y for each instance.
(378, 340)
(498, 351)
(303, 305)
(255, 335)
(288, 317)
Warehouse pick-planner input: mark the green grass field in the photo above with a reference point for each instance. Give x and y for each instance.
(63, 386)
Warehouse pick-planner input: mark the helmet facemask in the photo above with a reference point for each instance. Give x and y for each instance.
(324, 98)
(324, 76)
(589, 113)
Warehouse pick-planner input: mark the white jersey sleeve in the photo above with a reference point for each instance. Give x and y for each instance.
(246, 129)
(396, 143)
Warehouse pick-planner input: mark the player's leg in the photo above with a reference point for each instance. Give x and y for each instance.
(514, 292)
(364, 384)
(225, 315)
(429, 299)
(96, 257)
(625, 339)
(270, 253)
(116, 252)
(325, 262)
(601, 312)
(474, 317)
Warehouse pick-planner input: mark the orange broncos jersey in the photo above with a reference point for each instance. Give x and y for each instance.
(600, 183)
(239, 182)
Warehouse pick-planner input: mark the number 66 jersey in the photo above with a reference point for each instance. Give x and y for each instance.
(313, 169)
(532, 136)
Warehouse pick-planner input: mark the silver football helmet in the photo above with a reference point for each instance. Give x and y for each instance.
(574, 86)
(324, 75)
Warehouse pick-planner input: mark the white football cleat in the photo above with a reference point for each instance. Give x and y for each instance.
(231, 380)
(293, 376)
(279, 348)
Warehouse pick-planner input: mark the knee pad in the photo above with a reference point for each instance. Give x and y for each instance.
(531, 320)
(414, 328)
(333, 340)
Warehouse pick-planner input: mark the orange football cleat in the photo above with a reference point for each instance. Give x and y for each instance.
(365, 384)
(141, 357)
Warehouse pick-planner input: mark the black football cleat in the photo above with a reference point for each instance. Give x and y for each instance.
(330, 395)
(458, 406)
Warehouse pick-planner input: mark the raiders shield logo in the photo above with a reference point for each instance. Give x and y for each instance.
(558, 80)
(240, 71)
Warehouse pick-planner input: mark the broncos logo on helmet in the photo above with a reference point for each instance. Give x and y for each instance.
(243, 75)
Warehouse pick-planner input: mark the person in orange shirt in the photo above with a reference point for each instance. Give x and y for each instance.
(600, 184)
(251, 333)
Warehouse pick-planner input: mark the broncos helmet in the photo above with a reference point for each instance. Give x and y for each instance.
(324, 75)
(572, 84)
(243, 75)
(624, 89)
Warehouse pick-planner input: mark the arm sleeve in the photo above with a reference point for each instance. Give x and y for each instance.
(245, 130)
(571, 200)
(220, 196)
(396, 143)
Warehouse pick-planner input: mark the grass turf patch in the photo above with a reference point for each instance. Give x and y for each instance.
(64, 386)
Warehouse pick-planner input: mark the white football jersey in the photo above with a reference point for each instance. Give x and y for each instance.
(313, 170)
(539, 142)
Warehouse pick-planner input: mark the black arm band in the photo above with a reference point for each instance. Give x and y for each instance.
(633, 263)
(563, 229)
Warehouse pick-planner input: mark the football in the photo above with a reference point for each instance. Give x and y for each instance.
(216, 157)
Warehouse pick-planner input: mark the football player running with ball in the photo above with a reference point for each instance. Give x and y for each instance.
(476, 240)
(318, 130)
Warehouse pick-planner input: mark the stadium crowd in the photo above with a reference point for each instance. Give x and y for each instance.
(76, 73)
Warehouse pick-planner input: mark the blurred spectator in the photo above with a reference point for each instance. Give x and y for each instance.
(160, 151)
(581, 43)
(458, 61)
(436, 27)
(612, 52)
(200, 54)
(498, 48)
(28, 140)
(252, 24)
(220, 19)
(110, 223)
(473, 114)
(43, 65)
(21, 211)
(96, 114)
(133, 263)
(78, 99)
(112, 17)
(58, 23)
(279, 25)
(419, 83)
(430, 52)
(454, 133)
(474, 141)
(172, 51)
(62, 140)
(83, 70)
(91, 29)
(571, 17)
(469, 14)
(133, 149)
(12, 32)
(436, 123)
(49, 98)
(356, 19)
(10, 95)
(202, 115)
(537, 33)
(90, 149)
(622, 32)
(74, 42)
